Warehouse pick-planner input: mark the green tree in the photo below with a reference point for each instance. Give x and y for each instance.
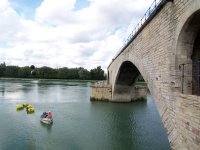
(140, 78)
(2, 69)
(46, 72)
(83, 74)
(97, 74)
(73, 73)
(11, 71)
(24, 72)
(51, 73)
(63, 73)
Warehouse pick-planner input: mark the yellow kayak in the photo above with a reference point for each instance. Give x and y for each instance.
(19, 107)
(25, 104)
(30, 109)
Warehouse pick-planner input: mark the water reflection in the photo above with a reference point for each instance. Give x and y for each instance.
(118, 126)
(132, 124)
(2, 91)
(47, 126)
(78, 123)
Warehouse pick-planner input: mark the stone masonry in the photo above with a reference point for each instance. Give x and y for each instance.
(101, 91)
(187, 119)
(164, 43)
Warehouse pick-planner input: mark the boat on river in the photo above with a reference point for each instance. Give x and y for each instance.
(19, 107)
(46, 118)
(30, 109)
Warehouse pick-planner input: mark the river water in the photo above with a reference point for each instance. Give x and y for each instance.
(79, 124)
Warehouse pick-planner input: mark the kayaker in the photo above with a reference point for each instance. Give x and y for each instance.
(49, 115)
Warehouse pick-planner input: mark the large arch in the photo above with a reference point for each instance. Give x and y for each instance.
(158, 57)
(124, 85)
(187, 55)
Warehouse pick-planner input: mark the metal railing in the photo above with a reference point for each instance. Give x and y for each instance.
(143, 20)
(149, 13)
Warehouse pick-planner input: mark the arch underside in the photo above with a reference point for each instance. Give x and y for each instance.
(127, 74)
(185, 49)
(124, 88)
(188, 54)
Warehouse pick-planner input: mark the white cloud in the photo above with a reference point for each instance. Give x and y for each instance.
(55, 11)
(60, 36)
(10, 22)
(3, 5)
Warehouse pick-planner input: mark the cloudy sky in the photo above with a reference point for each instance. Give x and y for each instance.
(66, 33)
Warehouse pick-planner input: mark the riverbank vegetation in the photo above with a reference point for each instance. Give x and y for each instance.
(52, 73)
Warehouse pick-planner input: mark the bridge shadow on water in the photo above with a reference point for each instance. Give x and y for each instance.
(135, 125)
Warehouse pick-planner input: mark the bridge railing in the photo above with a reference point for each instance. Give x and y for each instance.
(143, 21)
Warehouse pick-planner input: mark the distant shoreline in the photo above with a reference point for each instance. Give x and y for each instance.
(67, 80)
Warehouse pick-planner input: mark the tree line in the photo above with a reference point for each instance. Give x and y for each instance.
(52, 73)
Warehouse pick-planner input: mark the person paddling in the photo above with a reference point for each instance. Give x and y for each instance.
(49, 115)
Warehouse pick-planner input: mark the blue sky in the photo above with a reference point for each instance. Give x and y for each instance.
(66, 33)
(25, 8)
(80, 4)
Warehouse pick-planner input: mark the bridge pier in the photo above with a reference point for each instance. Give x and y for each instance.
(122, 93)
(125, 93)
(101, 91)
(165, 50)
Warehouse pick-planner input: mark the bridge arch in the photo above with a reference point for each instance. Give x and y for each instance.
(124, 84)
(188, 53)
(170, 39)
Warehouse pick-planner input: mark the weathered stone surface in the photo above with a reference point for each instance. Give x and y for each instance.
(188, 120)
(101, 91)
(157, 52)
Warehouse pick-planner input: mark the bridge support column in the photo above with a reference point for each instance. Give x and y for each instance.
(101, 91)
(125, 93)
(122, 93)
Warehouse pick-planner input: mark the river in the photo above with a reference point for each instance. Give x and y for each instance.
(79, 124)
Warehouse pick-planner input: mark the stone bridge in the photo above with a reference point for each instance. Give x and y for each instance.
(165, 50)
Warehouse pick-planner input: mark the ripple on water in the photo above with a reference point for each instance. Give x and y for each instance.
(78, 123)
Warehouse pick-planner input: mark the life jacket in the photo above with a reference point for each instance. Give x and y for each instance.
(49, 114)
